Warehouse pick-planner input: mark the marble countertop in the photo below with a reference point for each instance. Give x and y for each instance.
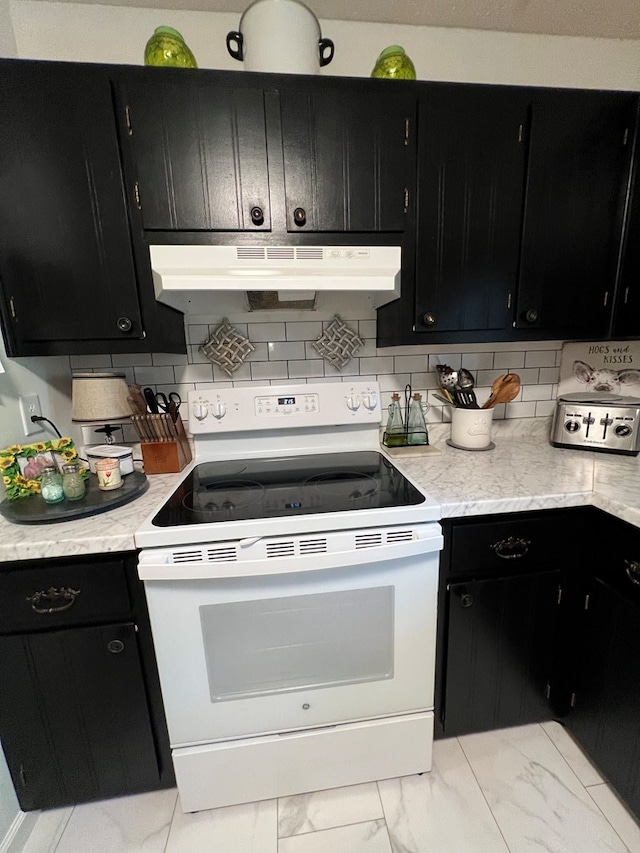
(523, 472)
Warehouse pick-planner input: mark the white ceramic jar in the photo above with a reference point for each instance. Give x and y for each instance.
(281, 36)
(471, 428)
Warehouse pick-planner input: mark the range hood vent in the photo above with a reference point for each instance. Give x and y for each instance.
(216, 279)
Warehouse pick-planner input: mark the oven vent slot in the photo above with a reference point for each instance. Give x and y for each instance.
(283, 253)
(187, 556)
(250, 253)
(400, 536)
(281, 549)
(313, 546)
(309, 253)
(368, 540)
(224, 554)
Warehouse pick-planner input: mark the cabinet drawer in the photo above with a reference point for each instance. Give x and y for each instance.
(503, 547)
(56, 593)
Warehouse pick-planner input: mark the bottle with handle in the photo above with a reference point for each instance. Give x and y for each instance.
(416, 424)
(395, 434)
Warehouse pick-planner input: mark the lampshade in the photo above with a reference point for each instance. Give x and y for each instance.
(99, 397)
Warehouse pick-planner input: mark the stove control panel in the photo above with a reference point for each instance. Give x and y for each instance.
(610, 424)
(283, 406)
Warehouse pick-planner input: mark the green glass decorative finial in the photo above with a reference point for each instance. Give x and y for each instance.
(166, 47)
(394, 64)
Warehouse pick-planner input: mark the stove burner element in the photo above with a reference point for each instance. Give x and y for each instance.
(352, 485)
(223, 496)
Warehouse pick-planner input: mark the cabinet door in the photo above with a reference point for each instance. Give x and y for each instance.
(501, 647)
(347, 156)
(199, 151)
(471, 181)
(580, 148)
(627, 309)
(74, 721)
(66, 263)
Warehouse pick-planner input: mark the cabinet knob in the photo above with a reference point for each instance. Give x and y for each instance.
(257, 215)
(632, 568)
(531, 316)
(115, 646)
(429, 320)
(466, 601)
(300, 216)
(511, 549)
(124, 324)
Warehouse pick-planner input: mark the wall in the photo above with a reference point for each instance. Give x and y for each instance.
(114, 34)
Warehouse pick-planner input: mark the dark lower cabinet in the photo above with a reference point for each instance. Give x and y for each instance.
(80, 711)
(505, 611)
(75, 719)
(501, 651)
(605, 718)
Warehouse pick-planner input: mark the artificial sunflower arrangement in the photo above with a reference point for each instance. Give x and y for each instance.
(21, 464)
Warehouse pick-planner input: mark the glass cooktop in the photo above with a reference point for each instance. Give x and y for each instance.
(242, 489)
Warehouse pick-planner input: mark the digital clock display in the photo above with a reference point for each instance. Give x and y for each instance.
(286, 401)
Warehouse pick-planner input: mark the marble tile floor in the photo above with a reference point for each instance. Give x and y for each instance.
(521, 790)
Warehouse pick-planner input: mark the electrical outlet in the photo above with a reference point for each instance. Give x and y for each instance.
(30, 405)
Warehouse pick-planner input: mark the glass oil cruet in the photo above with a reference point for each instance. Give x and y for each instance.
(395, 434)
(416, 424)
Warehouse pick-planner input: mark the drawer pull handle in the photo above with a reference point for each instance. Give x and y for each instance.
(115, 646)
(633, 571)
(466, 600)
(58, 599)
(511, 548)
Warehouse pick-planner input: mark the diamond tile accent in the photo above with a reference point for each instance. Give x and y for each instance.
(338, 343)
(227, 348)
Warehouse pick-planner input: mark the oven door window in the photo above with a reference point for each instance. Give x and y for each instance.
(280, 645)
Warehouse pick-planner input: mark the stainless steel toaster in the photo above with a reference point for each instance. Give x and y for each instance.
(597, 422)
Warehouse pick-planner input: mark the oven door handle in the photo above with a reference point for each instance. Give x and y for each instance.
(152, 566)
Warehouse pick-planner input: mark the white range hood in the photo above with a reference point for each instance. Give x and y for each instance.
(214, 279)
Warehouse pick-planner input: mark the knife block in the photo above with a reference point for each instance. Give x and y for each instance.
(167, 457)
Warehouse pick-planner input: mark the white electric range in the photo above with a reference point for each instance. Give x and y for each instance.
(292, 581)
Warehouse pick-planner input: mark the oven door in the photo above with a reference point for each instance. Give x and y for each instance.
(304, 642)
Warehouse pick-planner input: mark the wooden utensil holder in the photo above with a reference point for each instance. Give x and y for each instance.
(167, 457)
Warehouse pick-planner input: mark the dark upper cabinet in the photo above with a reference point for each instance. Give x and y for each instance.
(68, 275)
(471, 158)
(626, 321)
(579, 157)
(199, 150)
(348, 155)
(521, 208)
(214, 151)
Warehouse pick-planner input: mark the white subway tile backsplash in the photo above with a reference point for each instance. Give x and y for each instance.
(197, 334)
(508, 360)
(289, 351)
(304, 331)
(305, 368)
(269, 370)
(537, 392)
(410, 363)
(133, 359)
(540, 358)
(163, 358)
(194, 373)
(266, 332)
(154, 375)
(381, 364)
(284, 354)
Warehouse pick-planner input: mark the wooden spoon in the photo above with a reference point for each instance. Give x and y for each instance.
(504, 389)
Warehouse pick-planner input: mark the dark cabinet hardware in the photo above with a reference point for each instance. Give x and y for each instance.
(632, 569)
(58, 599)
(257, 215)
(125, 324)
(299, 216)
(115, 646)
(466, 600)
(531, 316)
(429, 319)
(511, 549)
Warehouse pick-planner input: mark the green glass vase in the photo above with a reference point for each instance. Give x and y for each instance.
(394, 64)
(167, 48)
